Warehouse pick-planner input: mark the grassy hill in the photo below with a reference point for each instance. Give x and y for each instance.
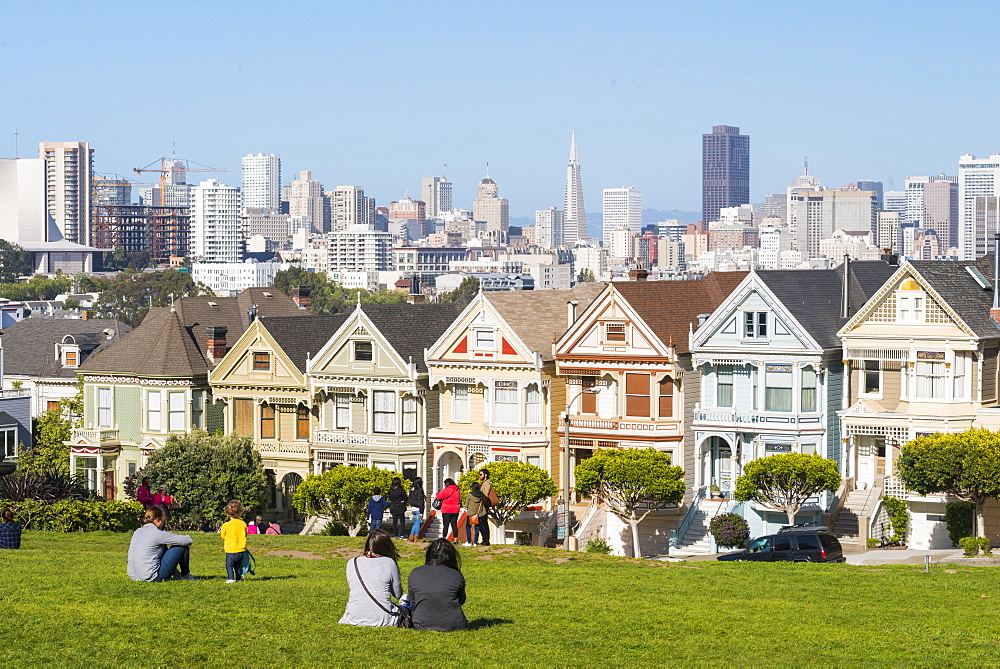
(65, 599)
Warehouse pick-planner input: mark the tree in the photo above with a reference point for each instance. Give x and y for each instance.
(586, 276)
(203, 472)
(49, 452)
(469, 286)
(14, 262)
(517, 485)
(123, 300)
(342, 493)
(329, 297)
(784, 482)
(628, 479)
(965, 465)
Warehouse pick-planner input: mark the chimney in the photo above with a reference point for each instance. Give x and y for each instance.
(995, 311)
(845, 306)
(85, 314)
(301, 296)
(216, 342)
(571, 312)
(638, 274)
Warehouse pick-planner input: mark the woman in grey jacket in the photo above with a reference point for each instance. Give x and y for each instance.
(156, 555)
(374, 580)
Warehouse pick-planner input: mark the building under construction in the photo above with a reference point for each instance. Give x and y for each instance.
(163, 231)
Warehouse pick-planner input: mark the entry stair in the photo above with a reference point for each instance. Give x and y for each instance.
(859, 504)
(696, 540)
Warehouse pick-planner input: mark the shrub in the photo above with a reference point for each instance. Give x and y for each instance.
(47, 486)
(872, 542)
(70, 515)
(598, 546)
(730, 529)
(958, 518)
(984, 546)
(334, 528)
(899, 518)
(970, 545)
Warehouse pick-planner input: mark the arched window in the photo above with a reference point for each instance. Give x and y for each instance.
(532, 405)
(666, 398)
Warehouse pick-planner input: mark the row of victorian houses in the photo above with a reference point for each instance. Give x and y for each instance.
(848, 363)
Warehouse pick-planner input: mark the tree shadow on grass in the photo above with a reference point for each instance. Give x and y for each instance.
(482, 623)
(272, 578)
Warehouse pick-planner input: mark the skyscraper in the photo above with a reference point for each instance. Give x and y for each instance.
(549, 228)
(725, 170)
(69, 178)
(347, 207)
(816, 215)
(574, 214)
(216, 234)
(622, 209)
(436, 194)
(977, 177)
(306, 199)
(261, 181)
(941, 211)
(490, 207)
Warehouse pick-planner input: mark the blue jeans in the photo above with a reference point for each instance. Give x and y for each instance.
(374, 523)
(234, 565)
(171, 559)
(415, 530)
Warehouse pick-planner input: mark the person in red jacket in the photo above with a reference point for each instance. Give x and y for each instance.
(143, 495)
(451, 506)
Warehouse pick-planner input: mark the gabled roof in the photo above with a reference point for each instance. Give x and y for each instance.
(539, 316)
(814, 296)
(670, 308)
(301, 338)
(172, 341)
(956, 286)
(30, 344)
(410, 328)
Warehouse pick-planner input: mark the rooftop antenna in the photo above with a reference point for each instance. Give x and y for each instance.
(444, 177)
(487, 170)
(173, 146)
(16, 133)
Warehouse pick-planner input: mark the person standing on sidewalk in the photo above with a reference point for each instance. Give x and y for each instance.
(488, 498)
(417, 500)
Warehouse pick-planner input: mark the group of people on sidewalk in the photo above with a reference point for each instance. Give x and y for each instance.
(396, 502)
(477, 503)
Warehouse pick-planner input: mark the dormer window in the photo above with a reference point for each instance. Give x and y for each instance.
(485, 340)
(755, 325)
(910, 302)
(71, 357)
(362, 351)
(614, 332)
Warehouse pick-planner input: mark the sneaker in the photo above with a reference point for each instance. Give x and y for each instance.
(188, 577)
(231, 580)
(467, 544)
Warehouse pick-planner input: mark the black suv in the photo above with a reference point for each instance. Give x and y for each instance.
(792, 543)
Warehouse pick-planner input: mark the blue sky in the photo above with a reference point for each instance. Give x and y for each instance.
(379, 93)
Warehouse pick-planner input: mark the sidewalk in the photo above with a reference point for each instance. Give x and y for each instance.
(905, 556)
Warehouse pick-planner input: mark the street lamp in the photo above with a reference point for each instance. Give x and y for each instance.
(565, 464)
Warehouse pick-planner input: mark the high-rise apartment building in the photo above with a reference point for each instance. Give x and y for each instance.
(360, 249)
(112, 192)
(941, 212)
(574, 213)
(622, 209)
(216, 234)
(725, 170)
(549, 228)
(914, 189)
(436, 194)
(490, 208)
(887, 230)
(816, 215)
(306, 199)
(268, 223)
(347, 207)
(261, 181)
(977, 177)
(69, 182)
(894, 200)
(23, 211)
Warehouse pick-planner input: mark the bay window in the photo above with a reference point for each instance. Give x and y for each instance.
(342, 411)
(460, 403)
(808, 398)
(666, 398)
(532, 405)
(154, 411)
(724, 386)
(505, 409)
(960, 367)
(409, 415)
(104, 407)
(931, 382)
(176, 411)
(637, 395)
(778, 388)
(384, 411)
(267, 421)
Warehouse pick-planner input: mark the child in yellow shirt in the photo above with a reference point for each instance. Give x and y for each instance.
(234, 538)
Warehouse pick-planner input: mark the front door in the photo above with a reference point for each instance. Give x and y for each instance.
(725, 468)
(879, 445)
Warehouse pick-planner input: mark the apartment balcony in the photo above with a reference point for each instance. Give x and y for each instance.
(102, 436)
(724, 418)
(341, 438)
(293, 449)
(627, 427)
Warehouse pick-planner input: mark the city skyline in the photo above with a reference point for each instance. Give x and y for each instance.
(641, 103)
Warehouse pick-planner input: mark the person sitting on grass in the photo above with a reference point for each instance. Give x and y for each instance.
(10, 530)
(437, 590)
(373, 580)
(157, 555)
(234, 539)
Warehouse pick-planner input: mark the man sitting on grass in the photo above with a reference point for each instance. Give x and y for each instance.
(10, 530)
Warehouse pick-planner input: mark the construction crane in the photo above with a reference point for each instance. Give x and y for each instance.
(166, 167)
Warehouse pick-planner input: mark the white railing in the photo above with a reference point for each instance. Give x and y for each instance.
(892, 486)
(593, 423)
(296, 448)
(324, 437)
(96, 434)
(726, 417)
(14, 392)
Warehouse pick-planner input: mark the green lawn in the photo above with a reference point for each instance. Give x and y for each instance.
(65, 599)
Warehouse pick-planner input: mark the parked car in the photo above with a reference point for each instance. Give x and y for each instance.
(793, 543)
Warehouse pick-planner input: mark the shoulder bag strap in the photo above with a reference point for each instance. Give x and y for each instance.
(362, 581)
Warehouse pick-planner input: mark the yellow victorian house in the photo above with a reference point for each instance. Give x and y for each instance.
(262, 384)
(500, 396)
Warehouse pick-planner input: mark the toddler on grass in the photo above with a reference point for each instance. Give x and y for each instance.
(234, 538)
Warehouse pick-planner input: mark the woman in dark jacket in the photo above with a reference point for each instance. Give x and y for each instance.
(397, 507)
(437, 590)
(451, 506)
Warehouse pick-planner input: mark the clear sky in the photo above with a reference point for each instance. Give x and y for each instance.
(380, 94)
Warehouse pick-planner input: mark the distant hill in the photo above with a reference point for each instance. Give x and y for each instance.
(594, 220)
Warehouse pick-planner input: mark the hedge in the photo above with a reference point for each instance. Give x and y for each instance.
(69, 515)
